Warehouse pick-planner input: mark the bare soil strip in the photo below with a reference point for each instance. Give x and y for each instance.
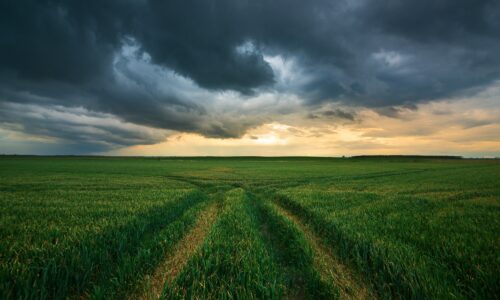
(175, 261)
(350, 285)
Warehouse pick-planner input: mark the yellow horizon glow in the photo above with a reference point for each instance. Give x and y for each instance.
(441, 128)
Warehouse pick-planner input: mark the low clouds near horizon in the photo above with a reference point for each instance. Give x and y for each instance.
(85, 77)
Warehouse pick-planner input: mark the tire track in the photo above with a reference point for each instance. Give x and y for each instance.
(349, 284)
(291, 251)
(175, 261)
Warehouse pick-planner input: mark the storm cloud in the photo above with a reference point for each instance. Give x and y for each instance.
(208, 67)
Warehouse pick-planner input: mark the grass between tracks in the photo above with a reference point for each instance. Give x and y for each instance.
(233, 261)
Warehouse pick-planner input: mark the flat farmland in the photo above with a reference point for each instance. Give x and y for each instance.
(249, 228)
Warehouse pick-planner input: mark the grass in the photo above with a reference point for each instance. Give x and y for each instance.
(388, 227)
(175, 260)
(233, 261)
(427, 234)
(347, 284)
(294, 254)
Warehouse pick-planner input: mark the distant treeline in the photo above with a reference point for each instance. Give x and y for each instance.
(409, 156)
(271, 158)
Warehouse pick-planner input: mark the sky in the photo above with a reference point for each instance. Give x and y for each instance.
(250, 77)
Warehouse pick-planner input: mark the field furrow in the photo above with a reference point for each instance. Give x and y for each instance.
(350, 284)
(293, 254)
(177, 258)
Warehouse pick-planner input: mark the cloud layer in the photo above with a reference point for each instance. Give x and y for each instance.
(101, 75)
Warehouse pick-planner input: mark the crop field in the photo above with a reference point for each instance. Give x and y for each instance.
(249, 228)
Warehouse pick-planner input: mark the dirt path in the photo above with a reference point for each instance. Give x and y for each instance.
(178, 257)
(331, 269)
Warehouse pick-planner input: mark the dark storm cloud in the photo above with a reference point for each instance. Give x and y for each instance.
(332, 113)
(75, 40)
(68, 41)
(450, 46)
(199, 39)
(382, 54)
(436, 21)
(395, 111)
(88, 129)
(339, 114)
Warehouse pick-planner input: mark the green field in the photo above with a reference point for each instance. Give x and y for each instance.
(263, 228)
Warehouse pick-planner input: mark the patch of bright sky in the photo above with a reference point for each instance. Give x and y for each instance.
(390, 58)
